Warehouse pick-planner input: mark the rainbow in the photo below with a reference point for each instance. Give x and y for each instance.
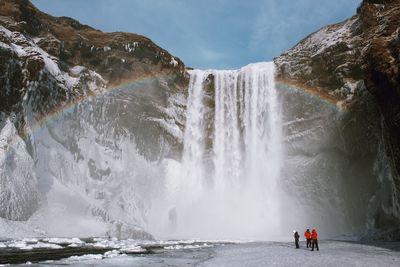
(135, 84)
(66, 107)
(69, 106)
(319, 93)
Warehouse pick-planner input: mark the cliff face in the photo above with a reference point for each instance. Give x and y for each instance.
(355, 63)
(48, 65)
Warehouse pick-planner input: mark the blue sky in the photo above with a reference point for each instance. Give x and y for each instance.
(219, 34)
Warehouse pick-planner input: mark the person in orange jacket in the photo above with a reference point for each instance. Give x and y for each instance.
(314, 237)
(307, 234)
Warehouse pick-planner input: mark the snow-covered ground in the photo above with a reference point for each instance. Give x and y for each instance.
(207, 253)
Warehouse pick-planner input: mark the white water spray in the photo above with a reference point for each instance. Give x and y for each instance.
(226, 185)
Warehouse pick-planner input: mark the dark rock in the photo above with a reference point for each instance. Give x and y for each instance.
(364, 50)
(34, 65)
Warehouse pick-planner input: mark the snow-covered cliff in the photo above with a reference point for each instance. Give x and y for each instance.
(101, 88)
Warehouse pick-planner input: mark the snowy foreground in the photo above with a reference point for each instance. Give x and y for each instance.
(200, 253)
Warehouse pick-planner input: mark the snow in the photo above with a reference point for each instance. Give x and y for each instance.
(131, 47)
(5, 46)
(18, 50)
(133, 249)
(170, 126)
(331, 253)
(14, 229)
(173, 62)
(73, 240)
(66, 215)
(76, 70)
(5, 31)
(316, 44)
(29, 244)
(37, 39)
(283, 254)
(197, 246)
(46, 245)
(174, 115)
(74, 259)
(113, 253)
(18, 186)
(25, 47)
(327, 37)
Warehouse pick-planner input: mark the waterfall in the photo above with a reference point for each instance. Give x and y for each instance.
(226, 185)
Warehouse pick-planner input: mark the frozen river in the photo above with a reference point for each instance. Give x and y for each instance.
(207, 253)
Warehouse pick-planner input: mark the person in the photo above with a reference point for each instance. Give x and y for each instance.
(314, 237)
(307, 234)
(296, 238)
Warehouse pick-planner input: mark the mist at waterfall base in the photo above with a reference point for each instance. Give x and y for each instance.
(227, 183)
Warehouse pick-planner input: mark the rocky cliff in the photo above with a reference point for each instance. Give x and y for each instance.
(355, 64)
(48, 65)
(36, 45)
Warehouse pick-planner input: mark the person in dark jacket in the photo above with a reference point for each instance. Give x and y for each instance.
(307, 234)
(296, 238)
(314, 237)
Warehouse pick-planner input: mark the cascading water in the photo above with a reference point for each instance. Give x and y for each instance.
(107, 166)
(226, 185)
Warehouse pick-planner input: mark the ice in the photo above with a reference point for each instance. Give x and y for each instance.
(178, 247)
(19, 196)
(174, 116)
(65, 215)
(87, 257)
(63, 240)
(133, 249)
(46, 245)
(76, 70)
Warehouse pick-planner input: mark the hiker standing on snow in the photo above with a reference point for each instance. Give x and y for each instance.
(314, 237)
(296, 238)
(307, 234)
